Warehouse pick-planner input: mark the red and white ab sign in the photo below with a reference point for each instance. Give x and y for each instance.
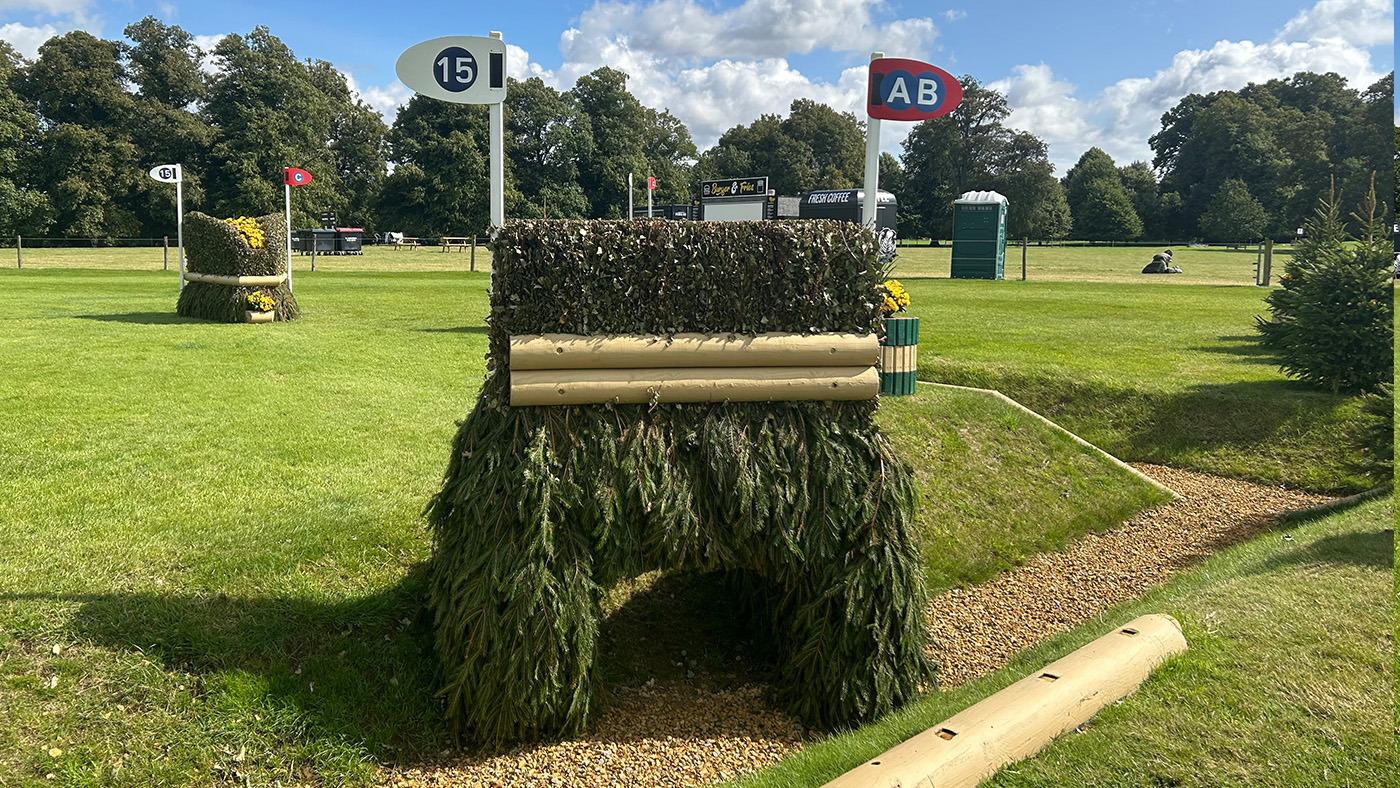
(651, 183)
(902, 89)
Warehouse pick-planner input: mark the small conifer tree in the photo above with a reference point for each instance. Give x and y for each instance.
(1333, 321)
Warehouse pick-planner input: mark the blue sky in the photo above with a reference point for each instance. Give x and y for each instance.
(1076, 74)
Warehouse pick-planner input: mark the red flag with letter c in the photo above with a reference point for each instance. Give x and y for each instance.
(293, 176)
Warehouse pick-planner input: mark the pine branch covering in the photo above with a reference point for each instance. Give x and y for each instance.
(213, 246)
(805, 504)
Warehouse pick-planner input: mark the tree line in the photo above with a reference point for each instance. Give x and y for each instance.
(82, 123)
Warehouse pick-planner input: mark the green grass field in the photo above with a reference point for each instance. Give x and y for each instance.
(1122, 264)
(1286, 681)
(1172, 375)
(211, 539)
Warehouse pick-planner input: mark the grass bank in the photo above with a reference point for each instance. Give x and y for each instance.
(1171, 375)
(211, 540)
(1286, 683)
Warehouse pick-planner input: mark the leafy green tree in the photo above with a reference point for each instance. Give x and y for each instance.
(1100, 207)
(836, 141)
(1334, 318)
(87, 161)
(270, 111)
(440, 185)
(163, 65)
(971, 149)
(1286, 139)
(23, 210)
(763, 148)
(1093, 165)
(616, 120)
(1022, 171)
(1144, 192)
(546, 135)
(357, 144)
(668, 149)
(1233, 215)
(1106, 214)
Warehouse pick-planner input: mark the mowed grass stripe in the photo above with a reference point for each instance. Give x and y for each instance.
(221, 525)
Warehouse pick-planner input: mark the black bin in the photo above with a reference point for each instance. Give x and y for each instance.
(324, 241)
(349, 240)
(302, 241)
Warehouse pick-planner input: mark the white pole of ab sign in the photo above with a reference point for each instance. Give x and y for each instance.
(466, 70)
(872, 165)
(172, 173)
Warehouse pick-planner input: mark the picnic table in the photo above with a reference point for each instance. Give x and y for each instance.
(459, 241)
(409, 241)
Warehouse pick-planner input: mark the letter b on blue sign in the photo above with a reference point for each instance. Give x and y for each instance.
(900, 90)
(454, 69)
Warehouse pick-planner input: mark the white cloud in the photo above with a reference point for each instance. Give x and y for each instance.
(718, 69)
(955, 14)
(208, 63)
(1121, 117)
(26, 40)
(1360, 22)
(74, 8)
(756, 30)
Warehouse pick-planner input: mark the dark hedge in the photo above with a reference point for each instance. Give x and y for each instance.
(803, 504)
(213, 246)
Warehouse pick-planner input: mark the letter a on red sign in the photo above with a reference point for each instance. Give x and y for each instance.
(295, 177)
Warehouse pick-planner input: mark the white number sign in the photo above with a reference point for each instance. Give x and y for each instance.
(167, 173)
(460, 69)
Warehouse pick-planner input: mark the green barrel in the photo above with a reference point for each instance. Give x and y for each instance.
(899, 356)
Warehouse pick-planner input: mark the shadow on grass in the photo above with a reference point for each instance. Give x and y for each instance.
(146, 318)
(358, 670)
(1246, 347)
(362, 671)
(1271, 431)
(1368, 550)
(457, 330)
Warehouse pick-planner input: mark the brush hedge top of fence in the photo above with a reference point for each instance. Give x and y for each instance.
(213, 246)
(620, 277)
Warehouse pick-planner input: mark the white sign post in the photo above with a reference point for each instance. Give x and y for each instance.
(172, 173)
(872, 166)
(466, 70)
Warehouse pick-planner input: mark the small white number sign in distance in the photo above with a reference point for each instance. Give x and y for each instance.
(459, 69)
(166, 173)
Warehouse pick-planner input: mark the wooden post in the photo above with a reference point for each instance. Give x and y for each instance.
(1268, 260)
(19, 251)
(166, 247)
(473, 252)
(1024, 243)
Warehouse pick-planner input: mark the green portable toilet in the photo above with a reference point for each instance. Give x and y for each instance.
(979, 236)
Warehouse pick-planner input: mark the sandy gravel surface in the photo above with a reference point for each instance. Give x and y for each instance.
(689, 730)
(977, 630)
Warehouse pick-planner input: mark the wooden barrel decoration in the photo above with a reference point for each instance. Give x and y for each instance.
(899, 356)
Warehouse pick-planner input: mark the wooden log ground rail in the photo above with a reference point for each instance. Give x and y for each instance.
(571, 369)
(1019, 721)
(236, 281)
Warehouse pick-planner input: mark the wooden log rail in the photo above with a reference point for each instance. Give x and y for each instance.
(570, 369)
(236, 281)
(1020, 720)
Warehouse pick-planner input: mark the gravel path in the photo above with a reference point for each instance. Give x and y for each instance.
(977, 630)
(687, 732)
